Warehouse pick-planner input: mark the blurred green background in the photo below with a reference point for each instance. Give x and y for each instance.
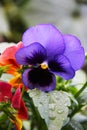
(70, 16)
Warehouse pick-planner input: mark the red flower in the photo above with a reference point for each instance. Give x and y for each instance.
(5, 92)
(16, 103)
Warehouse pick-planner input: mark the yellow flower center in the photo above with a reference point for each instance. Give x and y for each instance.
(44, 65)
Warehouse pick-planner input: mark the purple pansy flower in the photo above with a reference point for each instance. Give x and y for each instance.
(47, 53)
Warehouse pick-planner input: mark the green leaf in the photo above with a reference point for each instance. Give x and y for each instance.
(3, 69)
(84, 124)
(83, 98)
(76, 125)
(52, 106)
(73, 125)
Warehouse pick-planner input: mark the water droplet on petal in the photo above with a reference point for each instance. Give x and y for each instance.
(56, 96)
(41, 103)
(60, 111)
(46, 111)
(66, 104)
(52, 116)
(52, 106)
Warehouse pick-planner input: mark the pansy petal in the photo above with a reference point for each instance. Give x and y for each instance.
(47, 35)
(32, 54)
(41, 81)
(77, 59)
(25, 78)
(74, 51)
(49, 87)
(62, 67)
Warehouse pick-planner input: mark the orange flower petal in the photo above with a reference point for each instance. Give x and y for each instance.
(17, 122)
(16, 81)
(9, 53)
(8, 58)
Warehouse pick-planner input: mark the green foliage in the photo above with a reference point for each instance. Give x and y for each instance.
(73, 125)
(3, 69)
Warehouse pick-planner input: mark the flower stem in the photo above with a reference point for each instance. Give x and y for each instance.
(10, 126)
(78, 108)
(86, 56)
(39, 122)
(81, 90)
